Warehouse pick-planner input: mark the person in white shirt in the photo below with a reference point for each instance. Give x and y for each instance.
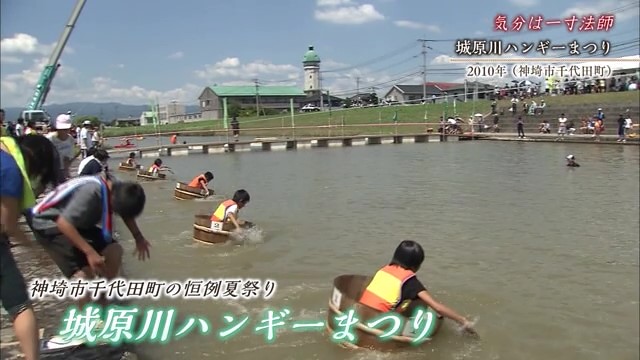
(84, 138)
(63, 142)
(562, 126)
(628, 123)
(95, 138)
(20, 127)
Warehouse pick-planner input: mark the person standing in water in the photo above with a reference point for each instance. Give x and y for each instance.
(396, 285)
(571, 161)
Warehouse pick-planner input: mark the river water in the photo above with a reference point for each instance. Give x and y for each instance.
(545, 257)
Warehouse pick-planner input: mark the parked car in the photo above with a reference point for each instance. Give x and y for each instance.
(309, 108)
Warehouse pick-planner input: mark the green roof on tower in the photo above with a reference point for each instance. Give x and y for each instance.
(311, 56)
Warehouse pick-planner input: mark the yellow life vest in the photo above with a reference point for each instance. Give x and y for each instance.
(218, 215)
(384, 292)
(28, 197)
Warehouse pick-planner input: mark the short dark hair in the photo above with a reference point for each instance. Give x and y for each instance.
(41, 158)
(208, 175)
(158, 162)
(101, 154)
(241, 196)
(128, 199)
(408, 255)
(2, 111)
(20, 121)
(132, 155)
(91, 151)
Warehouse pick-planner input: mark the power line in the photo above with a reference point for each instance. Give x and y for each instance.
(376, 59)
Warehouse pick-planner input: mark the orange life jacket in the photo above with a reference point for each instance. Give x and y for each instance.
(218, 215)
(197, 180)
(174, 139)
(384, 292)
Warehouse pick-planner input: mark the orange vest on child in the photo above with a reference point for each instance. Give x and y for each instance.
(196, 182)
(384, 292)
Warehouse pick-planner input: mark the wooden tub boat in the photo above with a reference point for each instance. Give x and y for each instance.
(126, 167)
(186, 192)
(347, 290)
(145, 175)
(202, 231)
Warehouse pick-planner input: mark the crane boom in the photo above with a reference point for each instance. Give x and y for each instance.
(34, 108)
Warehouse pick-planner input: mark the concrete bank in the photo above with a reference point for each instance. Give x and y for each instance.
(284, 144)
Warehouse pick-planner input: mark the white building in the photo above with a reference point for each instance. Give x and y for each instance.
(169, 112)
(311, 66)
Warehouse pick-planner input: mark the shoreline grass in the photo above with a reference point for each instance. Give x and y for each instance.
(380, 118)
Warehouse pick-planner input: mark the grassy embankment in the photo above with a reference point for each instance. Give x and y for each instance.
(375, 120)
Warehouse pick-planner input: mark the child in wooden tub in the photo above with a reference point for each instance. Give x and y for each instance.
(396, 285)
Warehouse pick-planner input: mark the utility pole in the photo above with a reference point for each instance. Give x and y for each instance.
(424, 68)
(358, 86)
(255, 81)
(321, 93)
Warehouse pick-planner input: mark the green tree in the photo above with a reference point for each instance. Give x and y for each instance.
(373, 98)
(347, 103)
(79, 120)
(234, 109)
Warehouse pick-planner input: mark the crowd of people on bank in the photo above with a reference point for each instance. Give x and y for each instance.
(73, 223)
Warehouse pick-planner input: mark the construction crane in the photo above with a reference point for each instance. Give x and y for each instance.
(34, 111)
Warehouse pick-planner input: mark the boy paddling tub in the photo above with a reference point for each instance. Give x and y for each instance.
(395, 285)
(157, 167)
(227, 211)
(131, 160)
(26, 163)
(202, 182)
(66, 222)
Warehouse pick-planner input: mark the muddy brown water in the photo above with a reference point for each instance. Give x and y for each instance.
(544, 256)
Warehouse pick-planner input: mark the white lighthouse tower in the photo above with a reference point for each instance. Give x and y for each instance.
(311, 65)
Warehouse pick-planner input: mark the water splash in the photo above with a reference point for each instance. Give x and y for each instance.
(250, 236)
(461, 330)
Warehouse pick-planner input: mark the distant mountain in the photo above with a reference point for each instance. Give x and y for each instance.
(104, 111)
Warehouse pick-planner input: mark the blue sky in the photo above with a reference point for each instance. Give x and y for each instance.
(134, 51)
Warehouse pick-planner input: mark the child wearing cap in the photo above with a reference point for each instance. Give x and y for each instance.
(63, 142)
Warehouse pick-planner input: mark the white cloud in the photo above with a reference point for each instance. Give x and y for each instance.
(25, 44)
(478, 33)
(349, 15)
(120, 66)
(330, 64)
(176, 55)
(525, 3)
(622, 9)
(231, 69)
(334, 2)
(69, 86)
(416, 25)
(441, 59)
